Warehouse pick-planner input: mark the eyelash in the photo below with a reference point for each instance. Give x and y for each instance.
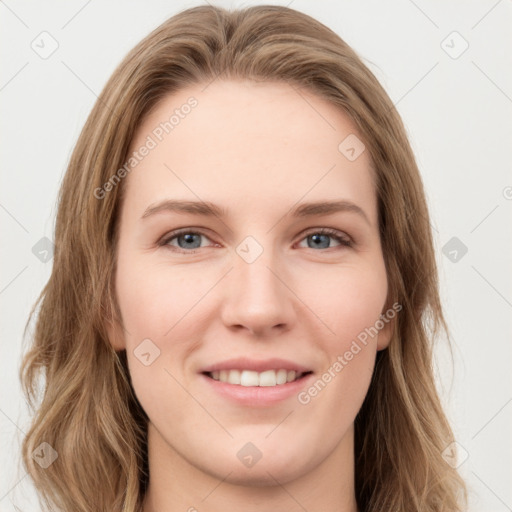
(344, 241)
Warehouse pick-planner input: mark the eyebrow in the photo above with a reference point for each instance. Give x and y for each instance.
(205, 208)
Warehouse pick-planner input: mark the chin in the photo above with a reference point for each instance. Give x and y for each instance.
(273, 465)
(263, 474)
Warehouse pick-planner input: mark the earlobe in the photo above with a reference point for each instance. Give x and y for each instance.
(384, 336)
(115, 335)
(113, 327)
(388, 319)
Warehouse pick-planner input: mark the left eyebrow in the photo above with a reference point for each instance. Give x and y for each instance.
(328, 207)
(208, 209)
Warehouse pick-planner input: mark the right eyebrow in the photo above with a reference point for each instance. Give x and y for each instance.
(193, 207)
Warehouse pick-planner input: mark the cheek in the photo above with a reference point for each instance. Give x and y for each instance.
(342, 303)
(348, 301)
(350, 305)
(154, 299)
(156, 305)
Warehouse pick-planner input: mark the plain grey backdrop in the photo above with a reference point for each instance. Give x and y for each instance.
(445, 65)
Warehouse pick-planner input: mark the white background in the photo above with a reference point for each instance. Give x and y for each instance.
(456, 110)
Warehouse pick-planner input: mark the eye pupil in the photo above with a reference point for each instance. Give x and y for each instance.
(318, 241)
(189, 239)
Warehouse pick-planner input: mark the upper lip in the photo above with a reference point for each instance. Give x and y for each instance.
(256, 365)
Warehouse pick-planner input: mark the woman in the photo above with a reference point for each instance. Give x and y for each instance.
(244, 295)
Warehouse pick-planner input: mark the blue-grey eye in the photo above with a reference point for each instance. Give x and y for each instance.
(319, 241)
(190, 240)
(322, 239)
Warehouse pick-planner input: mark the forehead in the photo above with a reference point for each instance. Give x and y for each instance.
(247, 145)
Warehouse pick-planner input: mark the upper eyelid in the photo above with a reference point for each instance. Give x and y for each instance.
(180, 231)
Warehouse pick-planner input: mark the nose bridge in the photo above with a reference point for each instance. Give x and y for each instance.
(255, 269)
(257, 297)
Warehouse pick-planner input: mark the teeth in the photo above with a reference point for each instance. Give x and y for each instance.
(281, 376)
(268, 378)
(251, 378)
(248, 378)
(233, 377)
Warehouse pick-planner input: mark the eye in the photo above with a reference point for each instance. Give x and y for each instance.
(186, 240)
(320, 238)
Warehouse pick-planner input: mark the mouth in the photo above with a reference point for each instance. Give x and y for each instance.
(255, 382)
(251, 378)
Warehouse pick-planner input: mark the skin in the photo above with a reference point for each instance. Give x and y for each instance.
(255, 149)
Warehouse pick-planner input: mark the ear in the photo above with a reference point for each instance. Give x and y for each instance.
(388, 318)
(114, 327)
(115, 335)
(384, 336)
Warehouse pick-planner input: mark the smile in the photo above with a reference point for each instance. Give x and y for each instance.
(250, 378)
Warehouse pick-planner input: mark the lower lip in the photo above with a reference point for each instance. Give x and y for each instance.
(258, 396)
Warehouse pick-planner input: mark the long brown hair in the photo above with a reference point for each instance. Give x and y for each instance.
(88, 412)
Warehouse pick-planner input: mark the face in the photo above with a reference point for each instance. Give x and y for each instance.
(244, 309)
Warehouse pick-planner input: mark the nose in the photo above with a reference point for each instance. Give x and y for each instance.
(258, 297)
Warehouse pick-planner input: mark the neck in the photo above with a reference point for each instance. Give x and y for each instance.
(175, 484)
